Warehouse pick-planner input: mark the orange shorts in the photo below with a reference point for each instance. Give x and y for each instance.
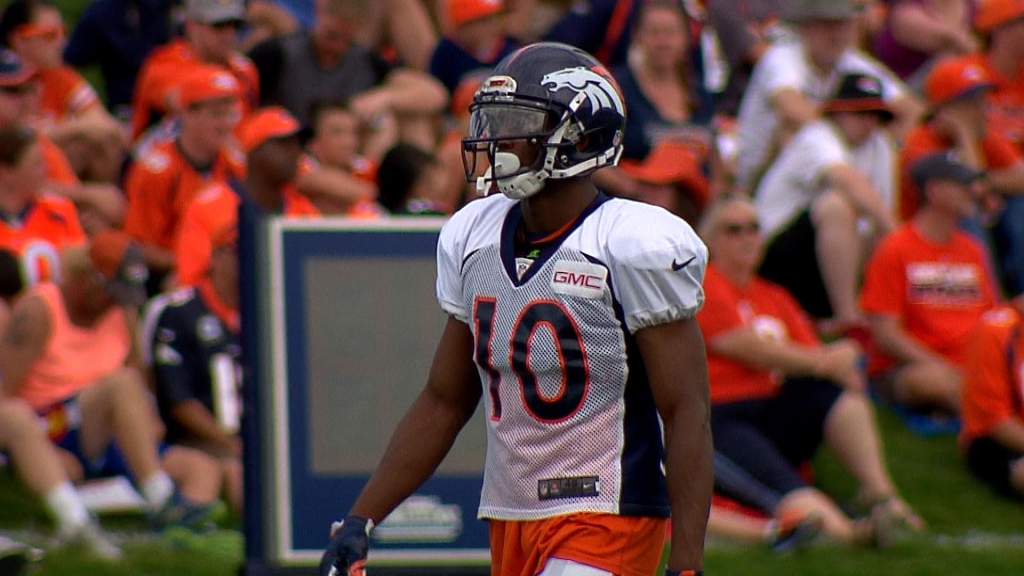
(622, 545)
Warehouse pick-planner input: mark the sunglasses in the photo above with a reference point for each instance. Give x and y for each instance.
(36, 31)
(737, 228)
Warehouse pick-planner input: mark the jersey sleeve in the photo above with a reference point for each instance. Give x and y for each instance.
(449, 271)
(657, 267)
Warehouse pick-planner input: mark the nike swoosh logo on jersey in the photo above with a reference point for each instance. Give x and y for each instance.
(676, 266)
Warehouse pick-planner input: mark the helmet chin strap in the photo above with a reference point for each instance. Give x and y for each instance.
(516, 187)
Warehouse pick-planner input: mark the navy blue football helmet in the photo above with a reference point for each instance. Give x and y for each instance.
(556, 97)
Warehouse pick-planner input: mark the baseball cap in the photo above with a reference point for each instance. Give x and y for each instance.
(215, 11)
(992, 14)
(204, 83)
(943, 165)
(463, 11)
(121, 264)
(266, 124)
(13, 70)
(859, 93)
(955, 78)
(804, 10)
(670, 162)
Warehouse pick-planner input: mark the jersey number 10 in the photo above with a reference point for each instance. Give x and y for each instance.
(569, 349)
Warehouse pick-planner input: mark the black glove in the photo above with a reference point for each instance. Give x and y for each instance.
(350, 543)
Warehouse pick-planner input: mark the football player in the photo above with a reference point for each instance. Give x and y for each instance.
(572, 315)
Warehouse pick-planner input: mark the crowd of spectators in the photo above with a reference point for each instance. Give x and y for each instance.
(856, 168)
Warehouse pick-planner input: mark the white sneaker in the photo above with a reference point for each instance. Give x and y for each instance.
(90, 537)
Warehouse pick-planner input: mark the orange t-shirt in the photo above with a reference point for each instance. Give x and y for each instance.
(213, 209)
(994, 374)
(39, 234)
(74, 357)
(763, 306)
(166, 66)
(1005, 104)
(997, 152)
(64, 93)
(937, 291)
(162, 183)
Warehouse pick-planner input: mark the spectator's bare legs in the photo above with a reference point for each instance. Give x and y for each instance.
(851, 434)
(839, 258)
(232, 481)
(117, 407)
(38, 464)
(836, 524)
(929, 385)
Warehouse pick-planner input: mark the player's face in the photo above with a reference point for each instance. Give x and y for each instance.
(736, 242)
(337, 139)
(42, 42)
(662, 36)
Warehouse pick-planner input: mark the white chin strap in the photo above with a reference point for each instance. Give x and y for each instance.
(515, 187)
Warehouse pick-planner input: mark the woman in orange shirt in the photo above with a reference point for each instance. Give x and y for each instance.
(777, 392)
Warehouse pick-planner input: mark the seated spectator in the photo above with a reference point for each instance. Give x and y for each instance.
(100, 205)
(600, 27)
(191, 343)
(210, 38)
(925, 287)
(476, 40)
(401, 30)
(36, 227)
(339, 180)
(70, 111)
(745, 29)
(777, 392)
(793, 78)
(834, 171)
(1001, 22)
(919, 32)
(957, 89)
(660, 94)
(270, 139)
(409, 180)
(118, 35)
(327, 63)
(992, 438)
(266, 19)
(671, 178)
(161, 184)
(70, 360)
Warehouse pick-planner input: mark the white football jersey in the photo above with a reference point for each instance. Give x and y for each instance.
(571, 422)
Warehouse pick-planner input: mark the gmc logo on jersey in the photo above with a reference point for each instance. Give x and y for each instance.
(581, 279)
(585, 280)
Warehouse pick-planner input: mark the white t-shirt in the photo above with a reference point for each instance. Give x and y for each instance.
(796, 177)
(571, 423)
(785, 65)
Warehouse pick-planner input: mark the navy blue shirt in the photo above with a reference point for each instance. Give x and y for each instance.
(645, 126)
(118, 35)
(451, 63)
(585, 26)
(186, 340)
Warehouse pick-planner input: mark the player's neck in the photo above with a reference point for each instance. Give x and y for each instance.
(557, 205)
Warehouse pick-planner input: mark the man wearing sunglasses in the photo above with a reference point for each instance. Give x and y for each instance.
(211, 37)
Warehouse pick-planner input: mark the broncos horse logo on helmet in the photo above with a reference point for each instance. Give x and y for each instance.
(551, 95)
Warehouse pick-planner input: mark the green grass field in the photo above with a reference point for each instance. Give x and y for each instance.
(971, 532)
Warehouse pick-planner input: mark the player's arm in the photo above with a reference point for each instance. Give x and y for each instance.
(673, 354)
(23, 341)
(428, 430)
